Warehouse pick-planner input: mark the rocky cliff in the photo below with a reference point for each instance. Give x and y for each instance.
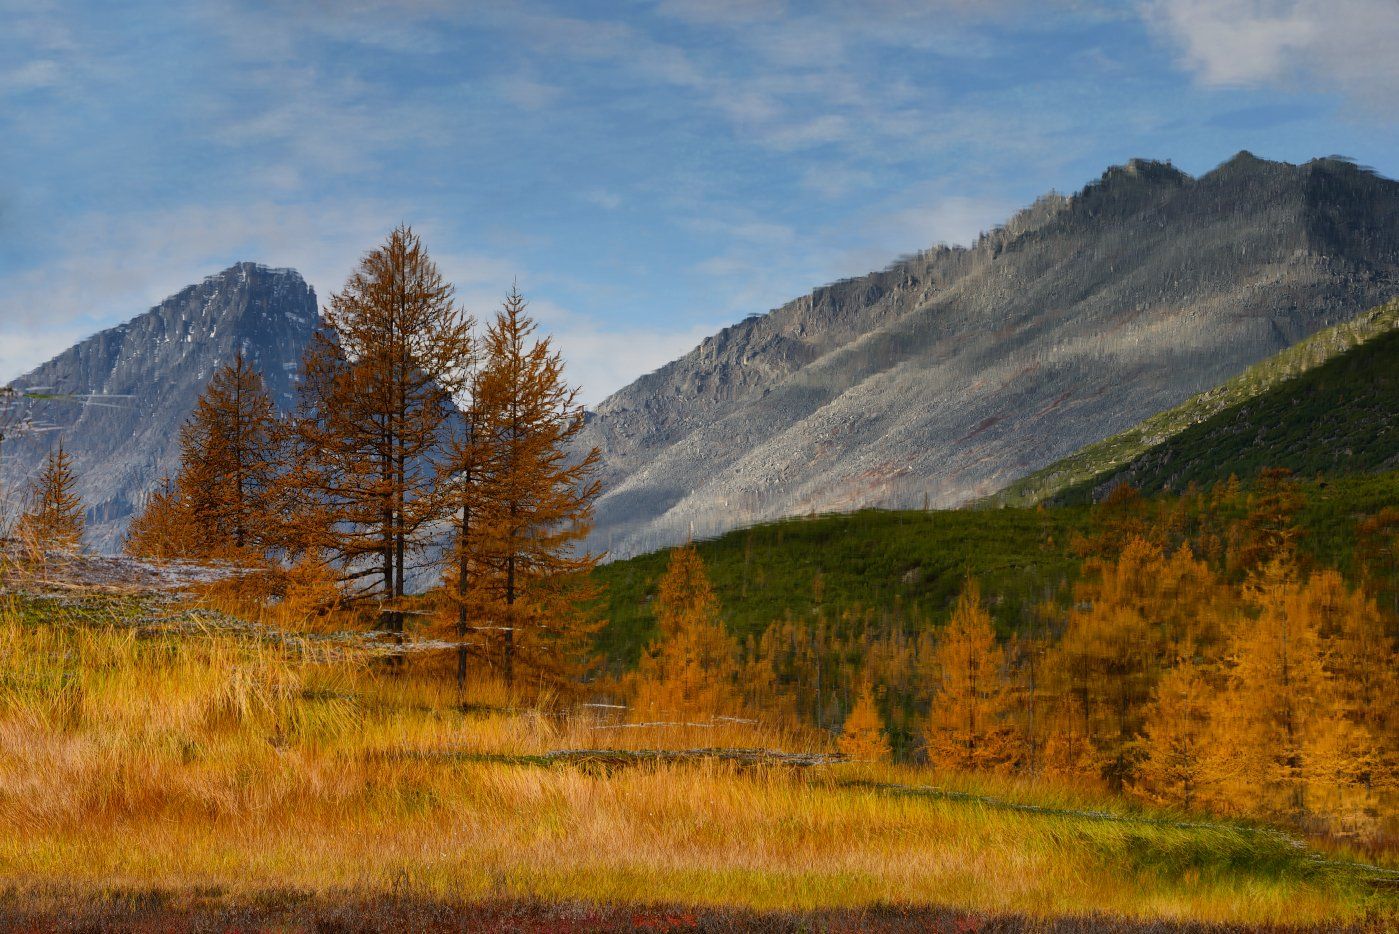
(956, 371)
(152, 369)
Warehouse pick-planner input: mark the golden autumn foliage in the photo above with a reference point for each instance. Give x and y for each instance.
(529, 506)
(1283, 745)
(862, 737)
(1130, 616)
(1176, 738)
(54, 517)
(376, 402)
(163, 529)
(408, 436)
(220, 504)
(690, 670)
(970, 726)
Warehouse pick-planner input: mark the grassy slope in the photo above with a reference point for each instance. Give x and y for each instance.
(1112, 453)
(210, 766)
(1341, 417)
(914, 562)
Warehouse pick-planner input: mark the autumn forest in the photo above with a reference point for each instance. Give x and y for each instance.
(412, 544)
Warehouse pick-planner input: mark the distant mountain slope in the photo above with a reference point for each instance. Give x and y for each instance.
(958, 371)
(161, 359)
(1339, 418)
(1350, 376)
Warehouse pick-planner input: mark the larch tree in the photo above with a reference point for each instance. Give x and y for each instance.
(1277, 726)
(1176, 737)
(1377, 558)
(376, 401)
(1269, 532)
(690, 669)
(970, 726)
(1131, 615)
(229, 456)
(862, 737)
(163, 528)
(536, 495)
(54, 518)
(465, 461)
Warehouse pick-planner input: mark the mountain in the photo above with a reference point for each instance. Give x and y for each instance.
(955, 372)
(1324, 404)
(1340, 418)
(155, 366)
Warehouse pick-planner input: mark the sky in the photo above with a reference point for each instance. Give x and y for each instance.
(648, 171)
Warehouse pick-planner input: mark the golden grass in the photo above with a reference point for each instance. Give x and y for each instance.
(184, 761)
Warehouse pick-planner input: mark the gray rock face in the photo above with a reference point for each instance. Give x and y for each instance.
(956, 371)
(122, 447)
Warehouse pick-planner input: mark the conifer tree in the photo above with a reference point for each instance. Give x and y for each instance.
(863, 735)
(376, 401)
(164, 527)
(536, 497)
(1176, 737)
(1131, 615)
(1377, 559)
(970, 725)
(690, 669)
(1281, 743)
(1269, 531)
(53, 521)
(229, 454)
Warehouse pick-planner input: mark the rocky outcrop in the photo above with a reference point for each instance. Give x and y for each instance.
(956, 371)
(151, 370)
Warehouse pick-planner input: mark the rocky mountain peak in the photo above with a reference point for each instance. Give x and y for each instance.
(953, 372)
(154, 367)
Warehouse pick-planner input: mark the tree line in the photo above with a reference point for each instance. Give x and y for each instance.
(1199, 661)
(418, 451)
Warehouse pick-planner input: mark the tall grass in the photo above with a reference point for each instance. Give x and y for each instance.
(134, 757)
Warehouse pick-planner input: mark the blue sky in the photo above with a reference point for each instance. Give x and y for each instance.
(649, 170)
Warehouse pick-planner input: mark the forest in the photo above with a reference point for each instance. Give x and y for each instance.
(1228, 652)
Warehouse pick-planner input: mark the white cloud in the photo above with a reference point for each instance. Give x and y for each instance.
(601, 358)
(40, 73)
(1345, 45)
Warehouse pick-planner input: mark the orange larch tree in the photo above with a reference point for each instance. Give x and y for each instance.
(230, 451)
(690, 670)
(1176, 737)
(862, 737)
(376, 401)
(163, 528)
(1131, 615)
(536, 498)
(54, 518)
(970, 726)
(1282, 746)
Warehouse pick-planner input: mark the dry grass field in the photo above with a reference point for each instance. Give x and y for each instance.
(156, 759)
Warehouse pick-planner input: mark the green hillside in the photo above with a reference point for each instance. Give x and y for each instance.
(1100, 460)
(1339, 418)
(911, 565)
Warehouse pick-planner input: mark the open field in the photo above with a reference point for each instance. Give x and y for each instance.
(147, 766)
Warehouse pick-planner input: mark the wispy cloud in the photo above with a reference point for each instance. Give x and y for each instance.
(648, 170)
(1344, 45)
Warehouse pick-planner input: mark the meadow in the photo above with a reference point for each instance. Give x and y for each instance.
(162, 754)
